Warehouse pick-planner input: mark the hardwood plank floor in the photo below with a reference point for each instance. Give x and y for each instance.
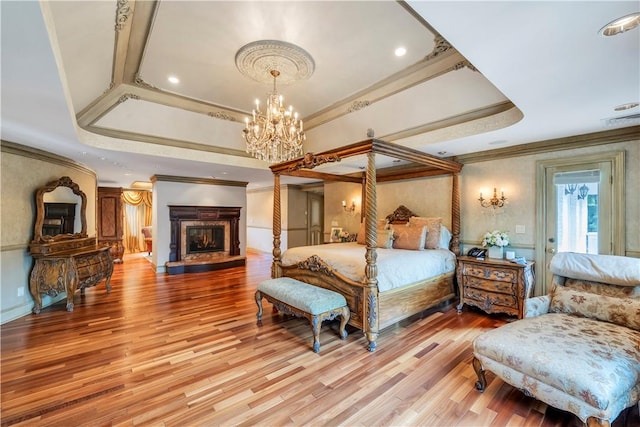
(185, 350)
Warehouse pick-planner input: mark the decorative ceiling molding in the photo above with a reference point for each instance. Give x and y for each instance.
(418, 73)
(254, 60)
(190, 180)
(257, 59)
(126, 97)
(559, 144)
(441, 45)
(464, 64)
(358, 105)
(9, 147)
(137, 80)
(222, 116)
(123, 11)
(477, 121)
(167, 142)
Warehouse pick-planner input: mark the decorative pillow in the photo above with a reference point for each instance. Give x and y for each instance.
(445, 238)
(382, 224)
(620, 311)
(385, 239)
(433, 229)
(410, 238)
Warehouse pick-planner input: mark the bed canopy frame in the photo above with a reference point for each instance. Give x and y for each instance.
(422, 165)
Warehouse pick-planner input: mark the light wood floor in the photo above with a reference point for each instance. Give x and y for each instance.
(185, 350)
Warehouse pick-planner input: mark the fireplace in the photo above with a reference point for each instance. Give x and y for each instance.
(204, 238)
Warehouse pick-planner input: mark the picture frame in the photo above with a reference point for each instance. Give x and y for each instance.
(335, 234)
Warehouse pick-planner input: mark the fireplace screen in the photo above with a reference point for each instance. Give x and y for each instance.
(209, 238)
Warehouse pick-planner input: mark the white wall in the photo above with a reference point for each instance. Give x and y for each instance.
(260, 219)
(166, 193)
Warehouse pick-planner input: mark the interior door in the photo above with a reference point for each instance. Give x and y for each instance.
(315, 218)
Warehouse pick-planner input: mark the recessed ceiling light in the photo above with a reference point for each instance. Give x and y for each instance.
(401, 51)
(173, 79)
(620, 25)
(628, 106)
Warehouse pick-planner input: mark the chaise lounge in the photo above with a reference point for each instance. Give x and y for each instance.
(578, 348)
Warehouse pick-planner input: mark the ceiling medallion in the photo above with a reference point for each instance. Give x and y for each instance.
(256, 60)
(275, 134)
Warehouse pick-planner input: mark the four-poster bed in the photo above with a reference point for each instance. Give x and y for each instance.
(371, 309)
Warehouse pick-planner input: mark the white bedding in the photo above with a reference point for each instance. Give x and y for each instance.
(396, 267)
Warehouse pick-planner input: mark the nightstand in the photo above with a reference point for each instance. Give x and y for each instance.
(494, 285)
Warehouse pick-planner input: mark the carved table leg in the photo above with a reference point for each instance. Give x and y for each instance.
(72, 284)
(33, 289)
(344, 319)
(258, 297)
(481, 384)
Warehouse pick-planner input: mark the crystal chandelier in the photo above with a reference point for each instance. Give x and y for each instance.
(276, 134)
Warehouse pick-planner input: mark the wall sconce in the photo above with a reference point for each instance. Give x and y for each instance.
(493, 202)
(351, 210)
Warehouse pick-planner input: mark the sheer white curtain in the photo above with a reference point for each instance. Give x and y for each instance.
(573, 211)
(137, 208)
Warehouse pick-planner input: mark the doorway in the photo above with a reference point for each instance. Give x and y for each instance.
(580, 208)
(315, 218)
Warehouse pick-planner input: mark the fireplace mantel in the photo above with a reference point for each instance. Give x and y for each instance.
(179, 214)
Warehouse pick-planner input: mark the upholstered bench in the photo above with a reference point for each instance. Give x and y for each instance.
(301, 299)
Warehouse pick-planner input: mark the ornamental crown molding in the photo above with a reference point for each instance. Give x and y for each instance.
(123, 11)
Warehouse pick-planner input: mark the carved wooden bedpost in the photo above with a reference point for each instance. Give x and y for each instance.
(370, 315)
(277, 228)
(455, 215)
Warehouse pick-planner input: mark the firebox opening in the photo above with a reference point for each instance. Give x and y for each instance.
(209, 238)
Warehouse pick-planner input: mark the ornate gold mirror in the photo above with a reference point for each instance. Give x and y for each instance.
(60, 212)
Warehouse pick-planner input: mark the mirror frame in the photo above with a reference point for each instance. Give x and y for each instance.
(64, 181)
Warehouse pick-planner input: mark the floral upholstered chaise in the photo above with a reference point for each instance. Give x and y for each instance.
(578, 348)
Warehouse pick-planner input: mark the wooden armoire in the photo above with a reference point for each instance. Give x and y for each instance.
(111, 221)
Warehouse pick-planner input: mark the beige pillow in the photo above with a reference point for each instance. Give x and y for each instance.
(433, 229)
(410, 238)
(385, 239)
(382, 224)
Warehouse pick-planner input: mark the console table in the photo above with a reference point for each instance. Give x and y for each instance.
(66, 266)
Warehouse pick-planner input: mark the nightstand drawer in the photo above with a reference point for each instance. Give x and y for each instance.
(490, 285)
(490, 273)
(489, 299)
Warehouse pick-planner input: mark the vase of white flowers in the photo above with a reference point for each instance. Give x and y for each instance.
(495, 240)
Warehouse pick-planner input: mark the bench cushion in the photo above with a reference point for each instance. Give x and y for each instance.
(303, 296)
(592, 361)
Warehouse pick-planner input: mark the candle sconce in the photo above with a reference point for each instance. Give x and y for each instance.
(351, 210)
(493, 202)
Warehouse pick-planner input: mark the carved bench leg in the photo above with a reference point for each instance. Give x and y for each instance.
(316, 322)
(481, 384)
